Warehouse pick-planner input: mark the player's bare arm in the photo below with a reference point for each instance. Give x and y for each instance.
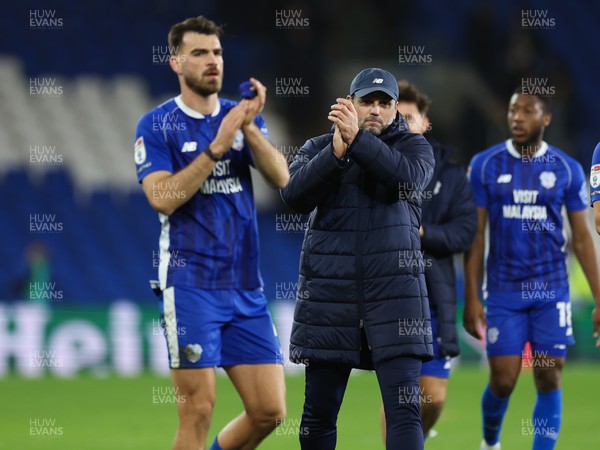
(344, 116)
(266, 157)
(583, 246)
(473, 313)
(189, 179)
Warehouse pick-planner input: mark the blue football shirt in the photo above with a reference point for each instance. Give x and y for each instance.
(524, 196)
(595, 176)
(211, 241)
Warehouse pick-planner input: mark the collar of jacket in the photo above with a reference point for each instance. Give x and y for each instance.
(398, 126)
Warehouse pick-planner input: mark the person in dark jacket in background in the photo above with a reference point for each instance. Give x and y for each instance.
(362, 299)
(448, 225)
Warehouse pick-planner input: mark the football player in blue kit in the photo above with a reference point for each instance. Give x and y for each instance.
(193, 155)
(520, 187)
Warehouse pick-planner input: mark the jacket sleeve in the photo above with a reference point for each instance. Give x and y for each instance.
(312, 174)
(407, 165)
(456, 234)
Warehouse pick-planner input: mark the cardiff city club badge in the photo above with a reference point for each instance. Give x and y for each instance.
(238, 141)
(548, 179)
(193, 352)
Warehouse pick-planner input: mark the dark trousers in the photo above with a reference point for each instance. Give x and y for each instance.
(324, 391)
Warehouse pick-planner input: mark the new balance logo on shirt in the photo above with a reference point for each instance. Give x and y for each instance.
(189, 147)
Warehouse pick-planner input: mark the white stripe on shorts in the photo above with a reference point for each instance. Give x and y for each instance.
(171, 325)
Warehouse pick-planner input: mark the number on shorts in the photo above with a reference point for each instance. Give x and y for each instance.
(564, 314)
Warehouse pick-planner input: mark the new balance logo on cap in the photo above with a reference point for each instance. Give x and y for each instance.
(374, 80)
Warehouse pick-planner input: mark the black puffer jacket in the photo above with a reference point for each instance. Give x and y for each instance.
(449, 220)
(361, 264)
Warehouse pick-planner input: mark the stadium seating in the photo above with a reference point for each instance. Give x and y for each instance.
(109, 239)
(107, 248)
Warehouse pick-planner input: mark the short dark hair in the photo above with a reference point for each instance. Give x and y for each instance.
(198, 24)
(408, 92)
(544, 101)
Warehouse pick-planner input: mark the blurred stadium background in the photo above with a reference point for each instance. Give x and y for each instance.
(81, 348)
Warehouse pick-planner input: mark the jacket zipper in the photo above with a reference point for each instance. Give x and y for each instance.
(360, 287)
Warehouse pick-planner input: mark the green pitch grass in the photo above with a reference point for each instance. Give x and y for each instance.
(110, 413)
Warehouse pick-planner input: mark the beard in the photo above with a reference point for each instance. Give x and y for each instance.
(201, 87)
(374, 130)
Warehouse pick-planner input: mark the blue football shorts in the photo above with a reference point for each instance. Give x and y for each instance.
(541, 317)
(210, 328)
(439, 366)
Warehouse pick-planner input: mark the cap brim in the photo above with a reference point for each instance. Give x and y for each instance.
(366, 91)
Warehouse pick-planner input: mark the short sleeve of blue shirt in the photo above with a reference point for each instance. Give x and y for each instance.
(475, 173)
(577, 194)
(595, 176)
(151, 152)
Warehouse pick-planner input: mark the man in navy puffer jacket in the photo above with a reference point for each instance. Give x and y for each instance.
(362, 299)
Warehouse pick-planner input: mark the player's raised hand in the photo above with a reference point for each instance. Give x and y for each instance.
(596, 324)
(339, 146)
(256, 104)
(473, 318)
(230, 124)
(345, 117)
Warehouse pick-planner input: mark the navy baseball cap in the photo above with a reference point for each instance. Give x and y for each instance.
(372, 80)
